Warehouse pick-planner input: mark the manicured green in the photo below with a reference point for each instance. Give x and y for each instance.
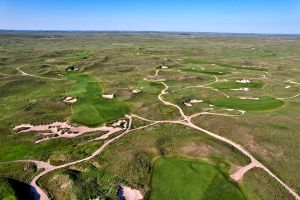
(226, 85)
(264, 103)
(206, 71)
(177, 178)
(91, 109)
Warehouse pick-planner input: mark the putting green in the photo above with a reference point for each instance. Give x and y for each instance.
(91, 109)
(206, 71)
(227, 85)
(263, 103)
(177, 178)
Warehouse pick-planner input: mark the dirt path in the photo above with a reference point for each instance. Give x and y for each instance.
(49, 168)
(26, 74)
(186, 121)
(255, 162)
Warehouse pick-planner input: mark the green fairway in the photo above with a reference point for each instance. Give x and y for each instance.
(177, 178)
(263, 103)
(210, 72)
(91, 109)
(226, 85)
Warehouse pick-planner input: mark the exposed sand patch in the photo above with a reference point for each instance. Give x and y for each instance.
(229, 109)
(70, 100)
(164, 67)
(287, 87)
(135, 91)
(108, 96)
(249, 98)
(241, 89)
(131, 194)
(188, 104)
(65, 130)
(242, 112)
(243, 81)
(292, 82)
(196, 101)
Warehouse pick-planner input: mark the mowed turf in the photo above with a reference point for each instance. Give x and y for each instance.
(263, 103)
(227, 85)
(177, 178)
(91, 109)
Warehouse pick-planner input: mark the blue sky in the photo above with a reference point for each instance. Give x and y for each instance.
(242, 16)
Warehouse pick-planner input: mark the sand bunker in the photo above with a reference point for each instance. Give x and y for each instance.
(65, 130)
(249, 98)
(196, 101)
(136, 91)
(242, 112)
(241, 89)
(70, 100)
(243, 81)
(108, 96)
(131, 194)
(188, 104)
(229, 109)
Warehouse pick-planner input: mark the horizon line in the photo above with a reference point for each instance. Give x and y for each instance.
(145, 31)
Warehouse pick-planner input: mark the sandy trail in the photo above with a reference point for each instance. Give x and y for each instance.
(198, 86)
(186, 121)
(50, 168)
(26, 74)
(237, 176)
(230, 142)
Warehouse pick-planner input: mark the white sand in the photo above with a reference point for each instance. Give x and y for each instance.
(243, 81)
(287, 87)
(136, 91)
(196, 101)
(188, 104)
(250, 98)
(108, 96)
(242, 112)
(241, 89)
(164, 67)
(131, 194)
(210, 105)
(62, 130)
(70, 100)
(229, 109)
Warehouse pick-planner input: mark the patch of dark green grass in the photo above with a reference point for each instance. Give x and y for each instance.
(177, 178)
(206, 71)
(262, 104)
(91, 109)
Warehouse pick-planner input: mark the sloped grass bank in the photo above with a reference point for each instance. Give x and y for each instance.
(91, 109)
